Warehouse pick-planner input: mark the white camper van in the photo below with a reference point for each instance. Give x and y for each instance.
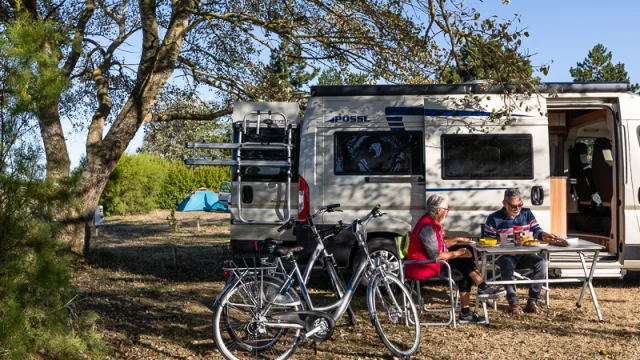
(396, 144)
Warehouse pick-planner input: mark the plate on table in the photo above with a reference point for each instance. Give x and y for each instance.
(494, 245)
(537, 243)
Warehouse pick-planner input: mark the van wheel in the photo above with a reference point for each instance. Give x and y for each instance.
(385, 252)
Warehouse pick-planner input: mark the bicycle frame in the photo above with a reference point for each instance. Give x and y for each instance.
(318, 323)
(319, 252)
(342, 304)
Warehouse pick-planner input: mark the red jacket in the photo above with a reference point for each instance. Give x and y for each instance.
(417, 251)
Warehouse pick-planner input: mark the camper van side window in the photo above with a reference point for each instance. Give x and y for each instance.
(378, 153)
(487, 156)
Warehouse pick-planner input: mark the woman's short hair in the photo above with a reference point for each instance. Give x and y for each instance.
(436, 201)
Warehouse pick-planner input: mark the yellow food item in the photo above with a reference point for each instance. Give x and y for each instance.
(531, 243)
(488, 241)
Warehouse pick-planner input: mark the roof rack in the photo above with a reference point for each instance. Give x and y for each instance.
(464, 88)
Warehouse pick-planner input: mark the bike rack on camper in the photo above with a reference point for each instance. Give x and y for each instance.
(247, 141)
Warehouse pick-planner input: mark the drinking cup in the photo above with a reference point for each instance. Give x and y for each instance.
(504, 237)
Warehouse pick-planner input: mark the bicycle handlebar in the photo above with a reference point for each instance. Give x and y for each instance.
(335, 230)
(375, 212)
(286, 226)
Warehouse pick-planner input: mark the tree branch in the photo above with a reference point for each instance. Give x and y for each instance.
(193, 116)
(150, 38)
(78, 37)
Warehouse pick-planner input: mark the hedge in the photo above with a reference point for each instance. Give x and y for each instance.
(143, 182)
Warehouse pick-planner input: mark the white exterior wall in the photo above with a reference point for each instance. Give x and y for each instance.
(470, 201)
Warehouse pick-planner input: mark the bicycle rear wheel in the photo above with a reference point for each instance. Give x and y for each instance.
(240, 330)
(394, 314)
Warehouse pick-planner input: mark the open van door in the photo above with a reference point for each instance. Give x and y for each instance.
(474, 160)
(630, 113)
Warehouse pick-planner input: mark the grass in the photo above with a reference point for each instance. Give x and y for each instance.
(151, 308)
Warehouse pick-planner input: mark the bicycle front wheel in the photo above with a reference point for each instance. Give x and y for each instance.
(394, 314)
(242, 331)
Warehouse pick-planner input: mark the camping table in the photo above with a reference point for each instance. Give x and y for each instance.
(577, 246)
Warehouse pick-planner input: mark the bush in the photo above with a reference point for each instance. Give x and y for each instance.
(143, 182)
(134, 185)
(181, 180)
(38, 317)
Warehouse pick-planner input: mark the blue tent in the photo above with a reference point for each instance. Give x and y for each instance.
(202, 199)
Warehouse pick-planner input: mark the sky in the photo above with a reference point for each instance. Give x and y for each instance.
(561, 34)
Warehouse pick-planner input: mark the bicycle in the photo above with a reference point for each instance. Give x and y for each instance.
(272, 315)
(275, 272)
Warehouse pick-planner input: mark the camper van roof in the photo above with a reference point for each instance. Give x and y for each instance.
(453, 89)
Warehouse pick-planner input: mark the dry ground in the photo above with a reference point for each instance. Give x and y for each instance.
(152, 309)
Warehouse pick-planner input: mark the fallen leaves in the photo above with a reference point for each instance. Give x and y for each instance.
(150, 312)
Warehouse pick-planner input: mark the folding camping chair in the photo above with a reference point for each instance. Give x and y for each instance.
(414, 285)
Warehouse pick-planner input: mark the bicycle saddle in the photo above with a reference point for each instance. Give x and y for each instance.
(282, 250)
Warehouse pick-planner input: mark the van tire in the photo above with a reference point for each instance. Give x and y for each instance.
(382, 246)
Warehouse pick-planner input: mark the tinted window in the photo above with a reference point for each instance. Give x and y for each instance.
(225, 186)
(589, 142)
(487, 156)
(264, 173)
(378, 153)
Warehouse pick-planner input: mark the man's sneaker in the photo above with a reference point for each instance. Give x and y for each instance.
(470, 318)
(490, 293)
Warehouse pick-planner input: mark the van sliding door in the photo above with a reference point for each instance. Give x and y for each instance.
(474, 159)
(630, 113)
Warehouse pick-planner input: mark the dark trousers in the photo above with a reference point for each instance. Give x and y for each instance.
(508, 264)
(460, 270)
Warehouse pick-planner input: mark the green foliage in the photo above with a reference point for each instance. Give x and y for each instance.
(134, 185)
(38, 314)
(181, 180)
(285, 77)
(597, 66)
(31, 50)
(484, 59)
(167, 139)
(334, 76)
(173, 221)
(143, 182)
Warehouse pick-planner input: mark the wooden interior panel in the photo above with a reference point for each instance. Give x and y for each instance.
(559, 205)
(589, 118)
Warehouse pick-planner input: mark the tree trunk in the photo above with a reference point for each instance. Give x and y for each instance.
(58, 163)
(156, 66)
(78, 217)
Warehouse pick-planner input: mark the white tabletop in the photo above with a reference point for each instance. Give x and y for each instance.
(577, 245)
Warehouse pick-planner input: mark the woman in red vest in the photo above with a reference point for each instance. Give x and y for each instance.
(428, 242)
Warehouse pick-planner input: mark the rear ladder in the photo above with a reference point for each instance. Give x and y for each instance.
(273, 120)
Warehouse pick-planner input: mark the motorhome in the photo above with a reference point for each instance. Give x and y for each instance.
(569, 147)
